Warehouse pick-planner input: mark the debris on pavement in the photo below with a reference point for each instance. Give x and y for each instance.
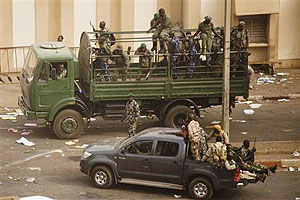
(31, 180)
(24, 133)
(12, 130)
(36, 198)
(30, 124)
(281, 100)
(244, 102)
(81, 147)
(47, 156)
(239, 121)
(244, 133)
(8, 117)
(92, 119)
(291, 169)
(255, 105)
(70, 143)
(266, 79)
(34, 168)
(249, 111)
(282, 74)
(58, 151)
(177, 196)
(6, 109)
(283, 79)
(215, 122)
(287, 130)
(26, 142)
(296, 154)
(76, 140)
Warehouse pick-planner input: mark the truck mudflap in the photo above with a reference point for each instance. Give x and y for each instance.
(30, 115)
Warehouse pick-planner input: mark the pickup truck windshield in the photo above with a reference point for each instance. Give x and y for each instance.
(30, 64)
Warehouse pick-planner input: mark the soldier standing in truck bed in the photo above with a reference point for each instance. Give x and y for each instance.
(132, 115)
(163, 27)
(122, 60)
(145, 60)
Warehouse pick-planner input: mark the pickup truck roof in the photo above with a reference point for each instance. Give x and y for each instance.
(162, 133)
(53, 51)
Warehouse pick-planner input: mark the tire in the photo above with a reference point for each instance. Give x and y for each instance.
(67, 118)
(201, 188)
(176, 115)
(102, 177)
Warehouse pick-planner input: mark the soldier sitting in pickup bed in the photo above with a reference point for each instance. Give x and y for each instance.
(218, 131)
(216, 153)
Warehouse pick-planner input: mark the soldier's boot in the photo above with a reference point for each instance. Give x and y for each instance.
(162, 47)
(273, 169)
(261, 177)
(154, 47)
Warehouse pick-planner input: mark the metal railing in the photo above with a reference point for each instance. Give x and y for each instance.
(12, 58)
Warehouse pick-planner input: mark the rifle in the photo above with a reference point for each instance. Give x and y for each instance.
(150, 71)
(94, 30)
(254, 142)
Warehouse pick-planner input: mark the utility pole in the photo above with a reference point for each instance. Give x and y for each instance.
(226, 68)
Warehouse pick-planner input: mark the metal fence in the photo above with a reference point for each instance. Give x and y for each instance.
(12, 58)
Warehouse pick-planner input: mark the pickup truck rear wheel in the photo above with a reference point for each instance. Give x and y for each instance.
(68, 124)
(201, 188)
(102, 177)
(176, 116)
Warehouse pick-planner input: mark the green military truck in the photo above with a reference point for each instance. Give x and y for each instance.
(62, 91)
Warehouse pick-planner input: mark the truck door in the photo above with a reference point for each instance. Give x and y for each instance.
(134, 160)
(53, 84)
(167, 163)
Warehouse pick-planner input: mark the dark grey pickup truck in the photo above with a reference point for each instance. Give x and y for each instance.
(155, 157)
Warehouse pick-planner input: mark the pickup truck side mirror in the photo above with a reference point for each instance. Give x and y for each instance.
(53, 73)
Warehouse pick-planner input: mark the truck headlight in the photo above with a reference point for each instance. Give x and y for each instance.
(86, 155)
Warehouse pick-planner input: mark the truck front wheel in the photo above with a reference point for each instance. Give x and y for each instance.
(201, 188)
(176, 116)
(68, 124)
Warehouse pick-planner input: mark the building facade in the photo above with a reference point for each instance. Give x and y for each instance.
(274, 25)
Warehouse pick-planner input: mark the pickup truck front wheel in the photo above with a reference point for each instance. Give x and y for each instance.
(102, 177)
(201, 188)
(68, 124)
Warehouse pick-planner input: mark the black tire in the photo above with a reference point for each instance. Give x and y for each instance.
(67, 118)
(201, 188)
(102, 177)
(176, 115)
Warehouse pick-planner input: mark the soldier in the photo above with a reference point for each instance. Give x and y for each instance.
(61, 71)
(245, 153)
(132, 115)
(190, 55)
(122, 61)
(206, 30)
(217, 131)
(60, 38)
(163, 27)
(154, 20)
(239, 42)
(174, 51)
(110, 38)
(194, 136)
(216, 153)
(145, 59)
(103, 53)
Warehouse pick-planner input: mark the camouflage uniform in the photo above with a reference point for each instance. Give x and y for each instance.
(163, 27)
(145, 57)
(216, 154)
(122, 61)
(239, 42)
(191, 57)
(206, 35)
(104, 49)
(173, 50)
(194, 138)
(132, 115)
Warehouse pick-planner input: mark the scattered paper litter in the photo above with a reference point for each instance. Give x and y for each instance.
(76, 140)
(255, 105)
(12, 130)
(25, 133)
(177, 196)
(70, 143)
(287, 130)
(245, 102)
(47, 156)
(283, 79)
(92, 119)
(280, 100)
(36, 198)
(30, 124)
(249, 111)
(291, 169)
(34, 168)
(8, 117)
(58, 151)
(31, 179)
(244, 133)
(282, 74)
(239, 121)
(7, 109)
(81, 147)
(296, 154)
(215, 122)
(24, 141)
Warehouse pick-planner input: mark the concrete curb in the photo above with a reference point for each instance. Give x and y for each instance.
(261, 97)
(282, 163)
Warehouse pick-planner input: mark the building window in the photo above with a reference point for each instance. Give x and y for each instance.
(257, 27)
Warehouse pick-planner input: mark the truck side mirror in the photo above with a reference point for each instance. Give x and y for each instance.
(53, 73)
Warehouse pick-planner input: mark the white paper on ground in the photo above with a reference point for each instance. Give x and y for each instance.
(249, 111)
(255, 105)
(244, 133)
(30, 124)
(280, 100)
(296, 154)
(24, 141)
(35, 198)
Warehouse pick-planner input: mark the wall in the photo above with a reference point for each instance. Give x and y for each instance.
(215, 9)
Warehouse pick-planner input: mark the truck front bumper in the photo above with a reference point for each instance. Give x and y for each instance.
(30, 115)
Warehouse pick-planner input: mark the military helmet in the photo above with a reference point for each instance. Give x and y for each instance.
(171, 33)
(143, 45)
(119, 47)
(242, 23)
(188, 33)
(156, 16)
(208, 18)
(130, 95)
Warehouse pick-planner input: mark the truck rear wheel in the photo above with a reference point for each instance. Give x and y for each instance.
(176, 116)
(201, 188)
(68, 124)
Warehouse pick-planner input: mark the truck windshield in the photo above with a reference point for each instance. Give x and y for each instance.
(30, 64)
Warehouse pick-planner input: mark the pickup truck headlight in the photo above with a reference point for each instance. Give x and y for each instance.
(86, 155)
